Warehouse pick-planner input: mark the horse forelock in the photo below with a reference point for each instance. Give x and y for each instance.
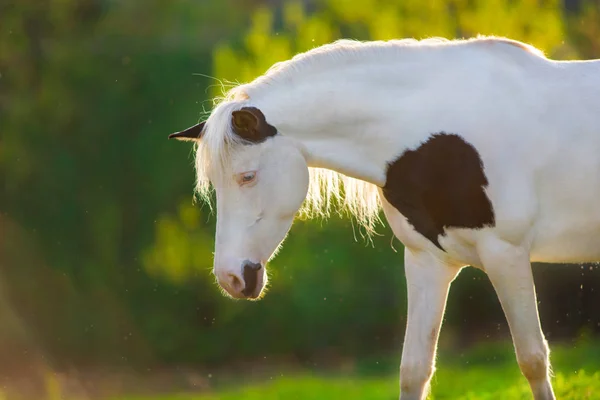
(217, 147)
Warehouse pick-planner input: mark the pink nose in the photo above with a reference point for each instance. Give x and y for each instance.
(235, 282)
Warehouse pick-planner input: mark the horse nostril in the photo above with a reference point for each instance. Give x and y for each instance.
(252, 266)
(236, 282)
(251, 271)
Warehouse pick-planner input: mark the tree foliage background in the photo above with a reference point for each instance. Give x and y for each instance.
(104, 256)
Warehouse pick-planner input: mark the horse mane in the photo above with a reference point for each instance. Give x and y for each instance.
(345, 51)
(328, 190)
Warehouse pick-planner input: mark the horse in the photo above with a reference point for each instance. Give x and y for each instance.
(481, 152)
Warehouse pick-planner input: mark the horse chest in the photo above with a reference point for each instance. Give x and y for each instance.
(437, 186)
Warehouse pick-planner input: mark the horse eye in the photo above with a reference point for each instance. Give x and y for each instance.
(247, 177)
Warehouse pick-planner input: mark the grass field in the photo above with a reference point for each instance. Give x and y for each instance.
(481, 374)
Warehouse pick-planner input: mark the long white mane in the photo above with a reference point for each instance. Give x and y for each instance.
(328, 189)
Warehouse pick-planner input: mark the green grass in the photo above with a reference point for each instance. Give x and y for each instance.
(482, 374)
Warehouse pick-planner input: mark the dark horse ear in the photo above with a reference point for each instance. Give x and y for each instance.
(249, 123)
(192, 133)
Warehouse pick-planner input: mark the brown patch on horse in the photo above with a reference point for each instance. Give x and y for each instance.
(250, 124)
(440, 185)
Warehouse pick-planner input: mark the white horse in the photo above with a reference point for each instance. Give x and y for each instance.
(481, 152)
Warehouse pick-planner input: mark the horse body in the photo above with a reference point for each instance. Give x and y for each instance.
(480, 152)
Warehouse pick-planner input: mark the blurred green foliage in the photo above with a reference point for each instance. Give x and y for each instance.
(105, 257)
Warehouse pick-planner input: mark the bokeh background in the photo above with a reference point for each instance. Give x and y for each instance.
(105, 258)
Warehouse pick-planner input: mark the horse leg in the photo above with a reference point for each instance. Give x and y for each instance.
(428, 281)
(509, 270)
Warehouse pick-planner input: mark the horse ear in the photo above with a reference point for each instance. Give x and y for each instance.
(193, 133)
(249, 123)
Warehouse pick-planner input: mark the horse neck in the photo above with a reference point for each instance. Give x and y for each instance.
(346, 120)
